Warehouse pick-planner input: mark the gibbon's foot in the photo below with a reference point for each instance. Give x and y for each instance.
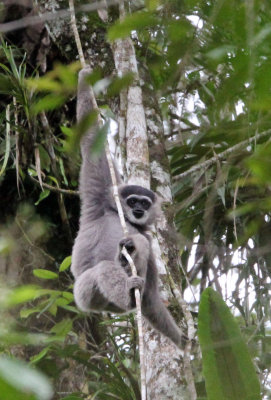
(129, 246)
(135, 282)
(128, 243)
(184, 340)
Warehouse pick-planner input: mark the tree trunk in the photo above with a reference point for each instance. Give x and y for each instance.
(165, 377)
(163, 360)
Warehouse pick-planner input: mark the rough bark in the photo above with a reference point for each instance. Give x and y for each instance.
(166, 377)
(132, 119)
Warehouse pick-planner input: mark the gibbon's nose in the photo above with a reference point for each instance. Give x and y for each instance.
(138, 213)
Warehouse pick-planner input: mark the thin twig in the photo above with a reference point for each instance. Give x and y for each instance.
(17, 159)
(37, 165)
(7, 150)
(50, 149)
(50, 16)
(122, 219)
(30, 241)
(76, 35)
(139, 327)
(222, 155)
(234, 208)
(54, 188)
(116, 192)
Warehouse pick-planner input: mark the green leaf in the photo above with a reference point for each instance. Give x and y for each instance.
(49, 102)
(26, 312)
(62, 169)
(227, 366)
(40, 355)
(53, 308)
(6, 85)
(152, 4)
(66, 130)
(62, 79)
(19, 376)
(220, 52)
(100, 138)
(262, 35)
(45, 160)
(65, 264)
(63, 327)
(221, 193)
(60, 302)
(119, 84)
(32, 172)
(67, 295)
(260, 163)
(106, 112)
(23, 294)
(44, 274)
(53, 179)
(45, 193)
(71, 309)
(138, 21)
(44, 84)
(6, 245)
(74, 135)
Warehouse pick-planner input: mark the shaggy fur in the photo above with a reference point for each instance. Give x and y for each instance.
(103, 279)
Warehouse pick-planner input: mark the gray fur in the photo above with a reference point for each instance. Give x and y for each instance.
(103, 278)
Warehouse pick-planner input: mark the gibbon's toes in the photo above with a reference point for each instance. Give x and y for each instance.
(135, 282)
(128, 244)
(85, 71)
(130, 247)
(123, 261)
(184, 340)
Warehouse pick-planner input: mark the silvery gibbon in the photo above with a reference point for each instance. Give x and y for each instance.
(103, 279)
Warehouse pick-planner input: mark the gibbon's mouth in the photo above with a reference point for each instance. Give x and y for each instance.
(138, 213)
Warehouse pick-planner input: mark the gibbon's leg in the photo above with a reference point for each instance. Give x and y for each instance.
(156, 312)
(106, 287)
(160, 318)
(139, 249)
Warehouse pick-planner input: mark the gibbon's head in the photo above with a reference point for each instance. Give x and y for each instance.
(140, 206)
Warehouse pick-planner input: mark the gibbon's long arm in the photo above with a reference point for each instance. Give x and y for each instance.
(95, 178)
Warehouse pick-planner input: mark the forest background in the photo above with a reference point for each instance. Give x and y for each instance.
(203, 69)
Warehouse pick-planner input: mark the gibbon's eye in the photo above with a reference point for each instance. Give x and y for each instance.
(132, 201)
(145, 204)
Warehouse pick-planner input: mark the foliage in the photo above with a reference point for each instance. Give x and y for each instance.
(18, 381)
(227, 365)
(209, 67)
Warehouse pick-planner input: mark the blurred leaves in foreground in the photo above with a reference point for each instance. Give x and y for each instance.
(227, 365)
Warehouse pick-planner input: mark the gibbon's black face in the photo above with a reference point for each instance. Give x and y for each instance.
(139, 204)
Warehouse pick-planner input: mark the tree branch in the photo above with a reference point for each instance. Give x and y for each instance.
(54, 188)
(222, 155)
(50, 16)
